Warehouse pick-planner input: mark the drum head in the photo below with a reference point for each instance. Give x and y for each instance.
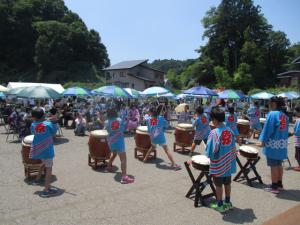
(248, 149)
(28, 139)
(201, 160)
(185, 126)
(262, 120)
(99, 133)
(243, 122)
(142, 130)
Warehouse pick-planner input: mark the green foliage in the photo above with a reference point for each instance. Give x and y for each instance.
(222, 77)
(166, 64)
(275, 91)
(242, 77)
(242, 50)
(174, 79)
(89, 86)
(41, 40)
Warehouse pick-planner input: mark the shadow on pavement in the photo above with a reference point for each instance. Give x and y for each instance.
(239, 216)
(102, 169)
(292, 195)
(60, 140)
(58, 193)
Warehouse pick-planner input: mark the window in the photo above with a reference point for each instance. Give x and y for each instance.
(122, 74)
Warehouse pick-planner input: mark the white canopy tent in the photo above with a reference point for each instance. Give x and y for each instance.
(57, 87)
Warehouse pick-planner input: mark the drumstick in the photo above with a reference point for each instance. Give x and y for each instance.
(168, 131)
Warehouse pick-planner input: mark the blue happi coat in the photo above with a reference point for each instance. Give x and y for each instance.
(231, 122)
(156, 128)
(254, 114)
(202, 127)
(297, 133)
(222, 152)
(42, 144)
(115, 128)
(275, 135)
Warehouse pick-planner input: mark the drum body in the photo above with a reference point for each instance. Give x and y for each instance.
(184, 134)
(243, 127)
(201, 162)
(248, 152)
(142, 138)
(98, 145)
(26, 144)
(262, 122)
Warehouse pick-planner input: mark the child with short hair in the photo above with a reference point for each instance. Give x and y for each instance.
(115, 128)
(202, 127)
(274, 140)
(42, 148)
(297, 138)
(156, 127)
(221, 150)
(231, 121)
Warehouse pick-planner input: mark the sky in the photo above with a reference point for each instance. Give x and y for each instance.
(165, 29)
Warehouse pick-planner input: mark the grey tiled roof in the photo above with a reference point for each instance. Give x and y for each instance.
(288, 73)
(126, 64)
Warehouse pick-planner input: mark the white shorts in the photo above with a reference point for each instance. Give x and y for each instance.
(48, 163)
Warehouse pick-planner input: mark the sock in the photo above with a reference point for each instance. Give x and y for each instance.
(279, 183)
(220, 203)
(274, 186)
(227, 199)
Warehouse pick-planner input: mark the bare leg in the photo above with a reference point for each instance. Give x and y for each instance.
(39, 175)
(193, 147)
(280, 173)
(227, 190)
(274, 174)
(165, 147)
(148, 153)
(219, 193)
(111, 159)
(48, 177)
(122, 157)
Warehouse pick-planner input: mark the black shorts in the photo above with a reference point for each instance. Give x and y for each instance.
(219, 181)
(198, 142)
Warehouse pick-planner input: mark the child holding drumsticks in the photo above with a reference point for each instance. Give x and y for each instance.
(115, 128)
(222, 153)
(156, 127)
(201, 124)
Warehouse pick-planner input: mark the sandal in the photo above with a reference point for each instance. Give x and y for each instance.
(176, 167)
(127, 180)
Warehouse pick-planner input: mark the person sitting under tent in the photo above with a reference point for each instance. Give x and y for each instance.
(80, 125)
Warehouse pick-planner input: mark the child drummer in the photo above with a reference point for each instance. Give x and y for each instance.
(42, 148)
(231, 121)
(156, 127)
(222, 153)
(253, 113)
(274, 140)
(201, 124)
(297, 138)
(115, 128)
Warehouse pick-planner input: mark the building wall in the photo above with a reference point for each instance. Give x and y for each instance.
(122, 79)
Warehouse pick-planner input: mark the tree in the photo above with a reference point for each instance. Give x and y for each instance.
(242, 78)
(222, 77)
(174, 79)
(41, 40)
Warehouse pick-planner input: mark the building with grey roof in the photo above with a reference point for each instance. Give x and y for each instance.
(135, 74)
(291, 78)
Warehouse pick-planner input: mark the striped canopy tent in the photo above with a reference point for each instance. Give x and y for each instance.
(38, 92)
(3, 89)
(229, 94)
(155, 91)
(76, 91)
(112, 91)
(200, 91)
(262, 95)
(134, 93)
(289, 95)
